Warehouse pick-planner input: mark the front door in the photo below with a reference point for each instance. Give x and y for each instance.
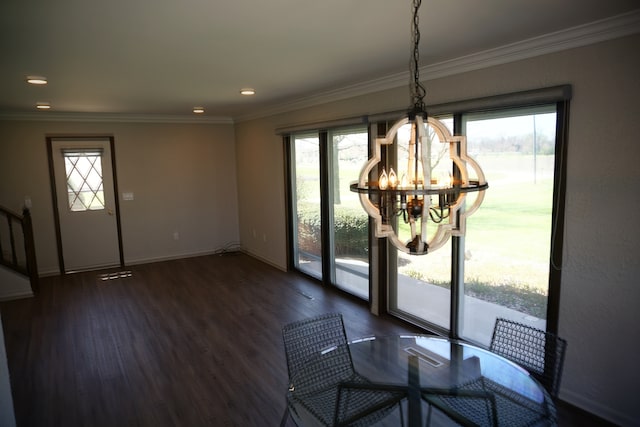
(85, 202)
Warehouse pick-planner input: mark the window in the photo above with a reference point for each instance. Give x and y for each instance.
(84, 179)
(330, 234)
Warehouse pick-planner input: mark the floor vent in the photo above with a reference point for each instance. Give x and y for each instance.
(118, 275)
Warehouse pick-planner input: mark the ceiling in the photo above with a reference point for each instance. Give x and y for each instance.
(164, 57)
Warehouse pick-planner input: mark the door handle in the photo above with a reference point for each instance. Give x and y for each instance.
(110, 212)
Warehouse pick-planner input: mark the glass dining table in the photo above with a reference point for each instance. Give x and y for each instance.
(446, 382)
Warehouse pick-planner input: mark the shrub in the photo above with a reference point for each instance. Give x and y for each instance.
(351, 226)
(309, 229)
(350, 231)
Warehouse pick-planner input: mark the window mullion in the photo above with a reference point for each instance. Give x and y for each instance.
(457, 265)
(291, 193)
(325, 209)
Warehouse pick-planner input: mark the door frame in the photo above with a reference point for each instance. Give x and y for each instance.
(54, 195)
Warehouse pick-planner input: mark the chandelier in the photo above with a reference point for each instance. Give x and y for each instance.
(433, 178)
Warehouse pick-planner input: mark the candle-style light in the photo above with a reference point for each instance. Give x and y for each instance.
(383, 182)
(422, 195)
(393, 179)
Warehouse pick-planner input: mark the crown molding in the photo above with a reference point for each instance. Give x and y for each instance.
(582, 35)
(113, 118)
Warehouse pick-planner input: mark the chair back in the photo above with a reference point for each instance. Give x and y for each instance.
(539, 352)
(308, 338)
(322, 377)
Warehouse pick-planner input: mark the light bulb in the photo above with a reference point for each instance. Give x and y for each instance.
(393, 179)
(444, 180)
(383, 182)
(448, 180)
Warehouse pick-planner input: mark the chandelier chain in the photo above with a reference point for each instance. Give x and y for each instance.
(418, 91)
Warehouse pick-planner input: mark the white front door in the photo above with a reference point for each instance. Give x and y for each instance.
(84, 184)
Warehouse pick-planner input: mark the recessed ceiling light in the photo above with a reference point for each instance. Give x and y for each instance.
(43, 106)
(198, 110)
(247, 91)
(36, 80)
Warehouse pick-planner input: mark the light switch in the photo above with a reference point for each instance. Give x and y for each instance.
(127, 196)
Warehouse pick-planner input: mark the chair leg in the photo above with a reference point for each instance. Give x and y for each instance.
(283, 421)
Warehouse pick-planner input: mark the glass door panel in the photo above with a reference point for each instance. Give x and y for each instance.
(306, 204)
(508, 240)
(421, 284)
(350, 225)
(422, 290)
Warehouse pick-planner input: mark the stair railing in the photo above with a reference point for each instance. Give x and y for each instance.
(17, 246)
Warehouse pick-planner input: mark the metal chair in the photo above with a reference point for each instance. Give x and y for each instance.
(324, 385)
(482, 401)
(539, 352)
(469, 405)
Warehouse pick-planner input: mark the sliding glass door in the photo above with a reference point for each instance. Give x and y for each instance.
(305, 173)
(331, 237)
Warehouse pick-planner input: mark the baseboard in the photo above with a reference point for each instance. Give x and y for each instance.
(15, 296)
(150, 260)
(48, 273)
(266, 261)
(139, 261)
(595, 408)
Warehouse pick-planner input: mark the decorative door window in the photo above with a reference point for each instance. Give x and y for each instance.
(84, 179)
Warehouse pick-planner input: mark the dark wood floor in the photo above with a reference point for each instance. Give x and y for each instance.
(194, 342)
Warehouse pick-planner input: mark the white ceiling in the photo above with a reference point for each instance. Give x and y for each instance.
(163, 57)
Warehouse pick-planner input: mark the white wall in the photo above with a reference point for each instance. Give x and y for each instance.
(182, 175)
(600, 287)
(260, 182)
